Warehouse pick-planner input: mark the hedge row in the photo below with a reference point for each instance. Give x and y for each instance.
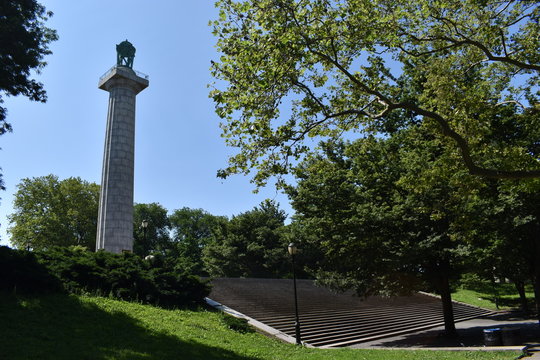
(76, 270)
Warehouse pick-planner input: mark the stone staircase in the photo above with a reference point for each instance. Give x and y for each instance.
(332, 320)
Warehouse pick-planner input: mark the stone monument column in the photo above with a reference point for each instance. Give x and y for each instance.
(115, 217)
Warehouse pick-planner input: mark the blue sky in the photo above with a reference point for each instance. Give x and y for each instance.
(178, 145)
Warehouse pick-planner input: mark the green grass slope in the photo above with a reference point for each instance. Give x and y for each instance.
(505, 295)
(91, 328)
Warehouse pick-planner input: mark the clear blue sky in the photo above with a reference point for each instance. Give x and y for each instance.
(178, 145)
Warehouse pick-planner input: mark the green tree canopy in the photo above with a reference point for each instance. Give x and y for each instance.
(156, 238)
(24, 42)
(292, 70)
(192, 231)
(251, 245)
(504, 227)
(49, 211)
(389, 215)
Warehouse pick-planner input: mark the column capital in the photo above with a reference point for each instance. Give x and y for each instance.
(121, 76)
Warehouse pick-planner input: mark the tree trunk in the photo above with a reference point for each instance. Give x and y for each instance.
(537, 293)
(520, 287)
(536, 282)
(448, 310)
(537, 289)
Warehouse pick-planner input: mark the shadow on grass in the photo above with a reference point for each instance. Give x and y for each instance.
(503, 289)
(61, 327)
(505, 294)
(508, 302)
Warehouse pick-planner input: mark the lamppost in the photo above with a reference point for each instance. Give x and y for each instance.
(144, 226)
(292, 251)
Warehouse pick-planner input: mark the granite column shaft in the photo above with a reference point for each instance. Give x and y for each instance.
(115, 217)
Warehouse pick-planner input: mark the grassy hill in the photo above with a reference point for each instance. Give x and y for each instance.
(488, 297)
(92, 328)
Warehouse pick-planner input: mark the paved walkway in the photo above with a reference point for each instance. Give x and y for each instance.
(470, 333)
(470, 336)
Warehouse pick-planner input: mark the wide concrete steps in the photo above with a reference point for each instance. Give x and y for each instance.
(328, 319)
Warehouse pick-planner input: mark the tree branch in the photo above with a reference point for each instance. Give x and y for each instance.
(443, 123)
(512, 102)
(483, 48)
(463, 145)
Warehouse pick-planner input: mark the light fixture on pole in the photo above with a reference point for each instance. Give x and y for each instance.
(144, 226)
(292, 251)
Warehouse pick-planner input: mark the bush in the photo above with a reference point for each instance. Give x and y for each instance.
(471, 281)
(22, 273)
(236, 324)
(77, 270)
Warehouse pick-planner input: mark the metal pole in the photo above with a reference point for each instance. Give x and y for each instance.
(144, 238)
(297, 322)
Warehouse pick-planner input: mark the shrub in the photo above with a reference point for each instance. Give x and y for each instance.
(77, 270)
(236, 324)
(472, 281)
(22, 273)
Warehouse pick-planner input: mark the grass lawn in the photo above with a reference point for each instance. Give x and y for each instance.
(484, 296)
(92, 328)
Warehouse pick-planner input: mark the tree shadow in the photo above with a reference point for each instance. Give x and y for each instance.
(490, 289)
(502, 294)
(61, 327)
(508, 302)
(528, 332)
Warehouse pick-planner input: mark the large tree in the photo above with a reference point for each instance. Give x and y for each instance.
(192, 230)
(24, 42)
(250, 245)
(49, 211)
(389, 215)
(155, 238)
(291, 70)
(504, 226)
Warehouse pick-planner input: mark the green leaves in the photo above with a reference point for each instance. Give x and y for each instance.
(25, 42)
(155, 238)
(384, 212)
(251, 244)
(192, 230)
(297, 69)
(49, 211)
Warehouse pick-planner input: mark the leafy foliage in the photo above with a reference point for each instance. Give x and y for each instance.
(295, 70)
(49, 211)
(155, 238)
(77, 270)
(24, 42)
(505, 221)
(23, 274)
(250, 245)
(387, 214)
(192, 231)
(237, 324)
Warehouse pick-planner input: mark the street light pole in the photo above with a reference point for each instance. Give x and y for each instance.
(292, 251)
(144, 226)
